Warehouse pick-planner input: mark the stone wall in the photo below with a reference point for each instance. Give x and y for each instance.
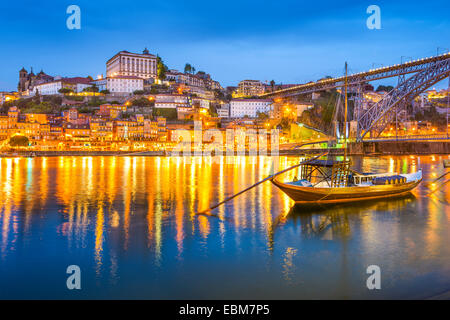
(400, 147)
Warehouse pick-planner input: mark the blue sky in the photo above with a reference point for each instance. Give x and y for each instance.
(288, 41)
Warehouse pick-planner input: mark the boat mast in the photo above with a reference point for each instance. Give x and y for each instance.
(345, 112)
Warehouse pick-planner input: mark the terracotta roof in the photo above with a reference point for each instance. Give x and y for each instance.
(75, 80)
(125, 77)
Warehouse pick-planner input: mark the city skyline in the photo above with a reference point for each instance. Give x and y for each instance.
(231, 44)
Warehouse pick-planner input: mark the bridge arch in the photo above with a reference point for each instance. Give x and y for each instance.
(376, 117)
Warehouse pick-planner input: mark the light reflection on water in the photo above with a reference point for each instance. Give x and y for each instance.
(130, 224)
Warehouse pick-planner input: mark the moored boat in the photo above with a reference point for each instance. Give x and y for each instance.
(324, 181)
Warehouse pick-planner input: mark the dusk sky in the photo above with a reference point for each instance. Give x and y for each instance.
(288, 41)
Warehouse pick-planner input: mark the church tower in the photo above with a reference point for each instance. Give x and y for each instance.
(23, 77)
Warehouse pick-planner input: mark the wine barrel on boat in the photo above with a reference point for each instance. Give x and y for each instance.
(396, 179)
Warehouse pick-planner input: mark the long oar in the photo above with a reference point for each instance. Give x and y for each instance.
(439, 187)
(437, 179)
(205, 212)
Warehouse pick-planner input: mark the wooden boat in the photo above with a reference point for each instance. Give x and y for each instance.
(324, 181)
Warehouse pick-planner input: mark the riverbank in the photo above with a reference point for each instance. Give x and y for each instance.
(82, 153)
(399, 147)
(382, 148)
(360, 149)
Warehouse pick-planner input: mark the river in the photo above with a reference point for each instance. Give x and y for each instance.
(129, 223)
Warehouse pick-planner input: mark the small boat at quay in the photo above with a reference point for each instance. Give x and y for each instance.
(325, 181)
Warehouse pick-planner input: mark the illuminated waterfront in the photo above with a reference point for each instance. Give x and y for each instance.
(130, 224)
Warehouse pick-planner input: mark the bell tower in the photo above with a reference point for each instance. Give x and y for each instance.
(23, 75)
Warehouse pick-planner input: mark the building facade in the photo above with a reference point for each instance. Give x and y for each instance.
(224, 111)
(248, 88)
(172, 101)
(125, 63)
(124, 84)
(200, 80)
(27, 81)
(76, 84)
(240, 108)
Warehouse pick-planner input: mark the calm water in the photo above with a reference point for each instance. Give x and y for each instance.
(130, 224)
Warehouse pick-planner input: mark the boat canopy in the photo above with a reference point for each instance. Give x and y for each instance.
(323, 163)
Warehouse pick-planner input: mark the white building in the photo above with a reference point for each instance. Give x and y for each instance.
(201, 102)
(172, 101)
(224, 111)
(100, 84)
(249, 107)
(124, 84)
(302, 107)
(139, 65)
(77, 84)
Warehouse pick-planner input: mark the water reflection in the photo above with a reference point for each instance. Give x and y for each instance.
(108, 211)
(331, 221)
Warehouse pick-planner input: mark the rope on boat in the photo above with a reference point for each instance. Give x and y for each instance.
(207, 211)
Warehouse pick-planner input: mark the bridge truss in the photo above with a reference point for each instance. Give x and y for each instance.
(426, 72)
(375, 118)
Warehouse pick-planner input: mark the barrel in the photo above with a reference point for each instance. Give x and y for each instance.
(396, 179)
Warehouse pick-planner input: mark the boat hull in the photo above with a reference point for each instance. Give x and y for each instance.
(346, 194)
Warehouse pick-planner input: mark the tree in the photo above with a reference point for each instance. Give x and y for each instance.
(187, 68)
(168, 113)
(19, 141)
(285, 124)
(162, 68)
(213, 111)
(142, 102)
(272, 84)
(92, 88)
(325, 78)
(105, 91)
(37, 96)
(262, 115)
(138, 92)
(385, 88)
(219, 95)
(65, 90)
